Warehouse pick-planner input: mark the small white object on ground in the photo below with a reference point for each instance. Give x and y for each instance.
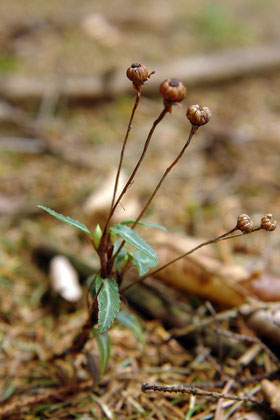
(64, 279)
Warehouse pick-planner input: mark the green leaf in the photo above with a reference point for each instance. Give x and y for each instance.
(7, 393)
(108, 302)
(130, 222)
(104, 348)
(134, 239)
(90, 282)
(68, 220)
(143, 262)
(121, 255)
(130, 321)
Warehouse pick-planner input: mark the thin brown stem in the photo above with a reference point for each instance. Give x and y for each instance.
(137, 99)
(102, 248)
(223, 237)
(192, 132)
(103, 239)
(89, 290)
(145, 148)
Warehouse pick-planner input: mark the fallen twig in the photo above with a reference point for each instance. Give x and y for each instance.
(198, 392)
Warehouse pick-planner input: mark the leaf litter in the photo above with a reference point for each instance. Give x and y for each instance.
(241, 163)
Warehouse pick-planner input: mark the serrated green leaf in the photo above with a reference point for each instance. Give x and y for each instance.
(143, 262)
(132, 238)
(90, 282)
(108, 302)
(66, 219)
(130, 321)
(104, 347)
(121, 255)
(153, 225)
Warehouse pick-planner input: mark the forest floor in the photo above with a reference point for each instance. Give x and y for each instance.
(57, 152)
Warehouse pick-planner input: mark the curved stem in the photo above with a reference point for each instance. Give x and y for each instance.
(223, 237)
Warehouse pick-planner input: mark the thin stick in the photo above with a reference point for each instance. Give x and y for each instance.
(199, 392)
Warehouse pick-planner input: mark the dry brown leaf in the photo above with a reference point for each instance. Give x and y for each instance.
(201, 273)
(265, 286)
(204, 274)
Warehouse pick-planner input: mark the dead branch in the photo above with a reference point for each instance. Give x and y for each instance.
(198, 392)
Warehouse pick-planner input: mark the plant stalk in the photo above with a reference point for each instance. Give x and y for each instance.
(129, 127)
(223, 237)
(103, 246)
(146, 145)
(192, 132)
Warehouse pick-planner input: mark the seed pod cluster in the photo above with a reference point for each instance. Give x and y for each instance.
(198, 115)
(138, 74)
(172, 91)
(244, 223)
(267, 223)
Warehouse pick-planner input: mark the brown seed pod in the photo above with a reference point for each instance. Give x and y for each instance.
(267, 223)
(244, 223)
(198, 115)
(138, 74)
(172, 90)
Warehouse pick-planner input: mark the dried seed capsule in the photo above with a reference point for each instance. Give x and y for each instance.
(138, 74)
(267, 223)
(198, 115)
(244, 223)
(172, 90)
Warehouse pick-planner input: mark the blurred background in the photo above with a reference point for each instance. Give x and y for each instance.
(65, 102)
